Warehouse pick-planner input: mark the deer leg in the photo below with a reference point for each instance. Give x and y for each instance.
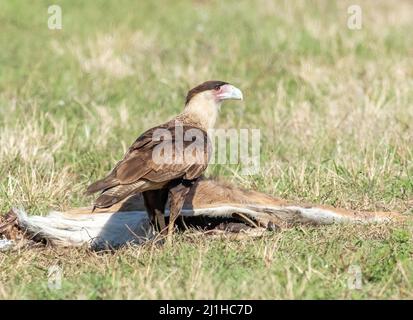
(155, 202)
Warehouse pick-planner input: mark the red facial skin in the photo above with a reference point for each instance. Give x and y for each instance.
(220, 91)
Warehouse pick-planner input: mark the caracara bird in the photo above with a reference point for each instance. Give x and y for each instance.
(158, 167)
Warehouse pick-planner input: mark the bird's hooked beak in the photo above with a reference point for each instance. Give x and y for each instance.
(228, 91)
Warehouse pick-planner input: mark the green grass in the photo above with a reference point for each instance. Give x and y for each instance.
(334, 107)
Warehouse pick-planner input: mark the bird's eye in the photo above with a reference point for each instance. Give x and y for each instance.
(217, 88)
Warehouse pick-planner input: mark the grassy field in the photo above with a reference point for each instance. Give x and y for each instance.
(334, 106)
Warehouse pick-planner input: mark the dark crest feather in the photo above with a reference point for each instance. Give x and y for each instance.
(208, 85)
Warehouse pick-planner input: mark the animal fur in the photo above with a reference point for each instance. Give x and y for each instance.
(127, 221)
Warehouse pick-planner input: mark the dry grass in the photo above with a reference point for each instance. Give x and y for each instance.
(300, 263)
(334, 107)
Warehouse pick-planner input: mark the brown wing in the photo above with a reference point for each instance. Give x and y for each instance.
(156, 157)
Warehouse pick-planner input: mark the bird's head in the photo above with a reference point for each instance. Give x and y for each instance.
(213, 90)
(203, 102)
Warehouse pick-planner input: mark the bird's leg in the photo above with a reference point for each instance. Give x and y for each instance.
(155, 202)
(177, 195)
(149, 201)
